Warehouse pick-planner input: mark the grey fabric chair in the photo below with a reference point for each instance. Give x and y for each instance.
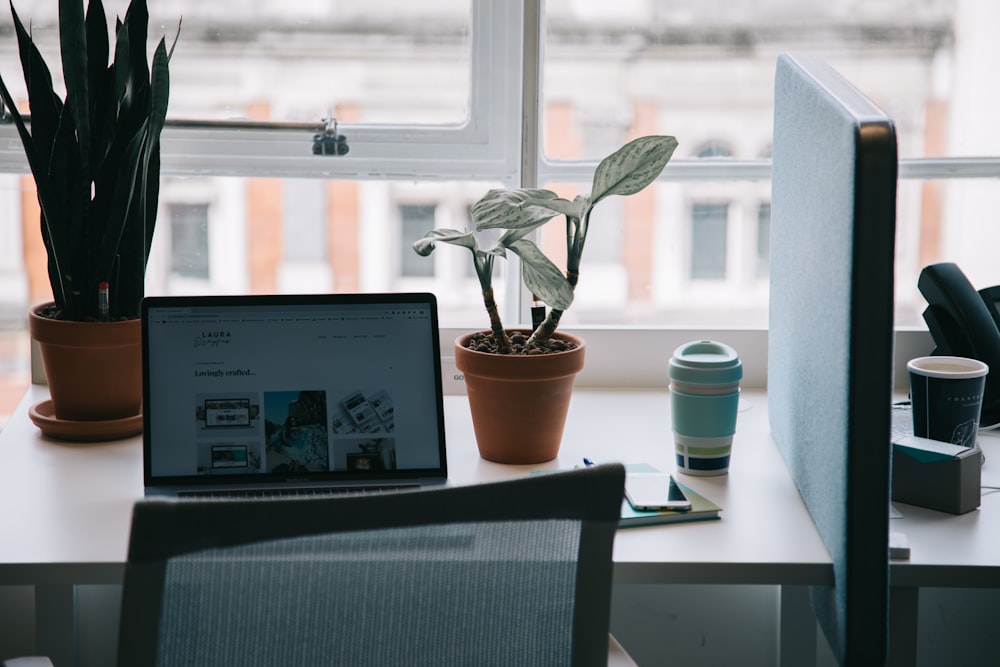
(511, 573)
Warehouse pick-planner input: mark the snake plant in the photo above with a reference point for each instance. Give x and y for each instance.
(95, 156)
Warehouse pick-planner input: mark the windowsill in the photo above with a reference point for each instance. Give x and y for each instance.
(637, 358)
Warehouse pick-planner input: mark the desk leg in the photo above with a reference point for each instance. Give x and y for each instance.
(904, 607)
(55, 623)
(796, 627)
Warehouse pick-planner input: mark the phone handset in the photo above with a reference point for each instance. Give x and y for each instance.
(964, 323)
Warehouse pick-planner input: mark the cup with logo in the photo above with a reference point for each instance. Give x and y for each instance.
(947, 397)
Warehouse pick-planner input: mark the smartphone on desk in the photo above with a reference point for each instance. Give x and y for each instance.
(654, 491)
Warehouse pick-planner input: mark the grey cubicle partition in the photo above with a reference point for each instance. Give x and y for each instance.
(830, 342)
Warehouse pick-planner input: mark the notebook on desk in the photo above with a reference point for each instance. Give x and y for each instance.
(303, 394)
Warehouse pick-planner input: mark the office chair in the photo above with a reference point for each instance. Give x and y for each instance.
(509, 573)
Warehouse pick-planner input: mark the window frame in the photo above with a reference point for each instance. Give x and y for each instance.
(498, 142)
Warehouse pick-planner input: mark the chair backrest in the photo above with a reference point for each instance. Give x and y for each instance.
(515, 572)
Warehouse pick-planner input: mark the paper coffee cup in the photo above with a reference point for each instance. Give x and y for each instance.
(947, 397)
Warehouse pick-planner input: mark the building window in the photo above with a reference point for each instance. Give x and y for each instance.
(415, 221)
(763, 266)
(303, 224)
(189, 240)
(714, 149)
(709, 229)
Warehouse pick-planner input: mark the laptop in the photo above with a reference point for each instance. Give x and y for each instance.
(291, 394)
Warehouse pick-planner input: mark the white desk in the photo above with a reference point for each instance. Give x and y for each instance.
(74, 505)
(67, 509)
(946, 551)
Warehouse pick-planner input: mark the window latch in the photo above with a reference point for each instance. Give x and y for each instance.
(329, 141)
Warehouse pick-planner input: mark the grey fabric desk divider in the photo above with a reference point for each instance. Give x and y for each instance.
(831, 334)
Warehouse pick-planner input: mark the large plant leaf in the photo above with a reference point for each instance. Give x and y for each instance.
(64, 212)
(43, 101)
(95, 158)
(571, 209)
(159, 96)
(98, 75)
(482, 260)
(137, 24)
(118, 81)
(119, 206)
(76, 75)
(51, 152)
(632, 167)
(513, 209)
(459, 237)
(38, 142)
(541, 276)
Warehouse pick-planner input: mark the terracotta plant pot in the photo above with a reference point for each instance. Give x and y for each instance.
(94, 369)
(519, 402)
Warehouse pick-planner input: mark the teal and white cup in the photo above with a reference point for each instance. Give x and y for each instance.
(704, 399)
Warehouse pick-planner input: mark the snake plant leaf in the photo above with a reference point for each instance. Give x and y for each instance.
(95, 156)
(137, 22)
(45, 105)
(97, 79)
(119, 202)
(75, 57)
(64, 217)
(632, 167)
(541, 276)
(137, 236)
(160, 95)
(38, 143)
(513, 209)
(119, 81)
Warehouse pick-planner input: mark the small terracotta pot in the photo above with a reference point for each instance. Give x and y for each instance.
(94, 369)
(519, 402)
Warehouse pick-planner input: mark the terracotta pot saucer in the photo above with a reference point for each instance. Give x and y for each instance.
(44, 417)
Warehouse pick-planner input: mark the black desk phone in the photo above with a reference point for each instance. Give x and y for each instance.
(965, 323)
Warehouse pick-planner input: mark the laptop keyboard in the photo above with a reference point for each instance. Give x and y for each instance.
(300, 492)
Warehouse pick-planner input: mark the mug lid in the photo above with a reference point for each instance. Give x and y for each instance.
(704, 360)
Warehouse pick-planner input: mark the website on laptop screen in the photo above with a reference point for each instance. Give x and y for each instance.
(290, 390)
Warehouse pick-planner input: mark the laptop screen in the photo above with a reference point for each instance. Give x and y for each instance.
(291, 388)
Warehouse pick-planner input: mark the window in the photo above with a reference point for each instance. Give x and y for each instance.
(303, 214)
(713, 149)
(763, 241)
(709, 229)
(189, 240)
(431, 99)
(416, 221)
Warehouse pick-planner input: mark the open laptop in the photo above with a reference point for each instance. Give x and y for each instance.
(261, 395)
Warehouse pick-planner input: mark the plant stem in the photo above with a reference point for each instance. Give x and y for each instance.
(545, 329)
(499, 333)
